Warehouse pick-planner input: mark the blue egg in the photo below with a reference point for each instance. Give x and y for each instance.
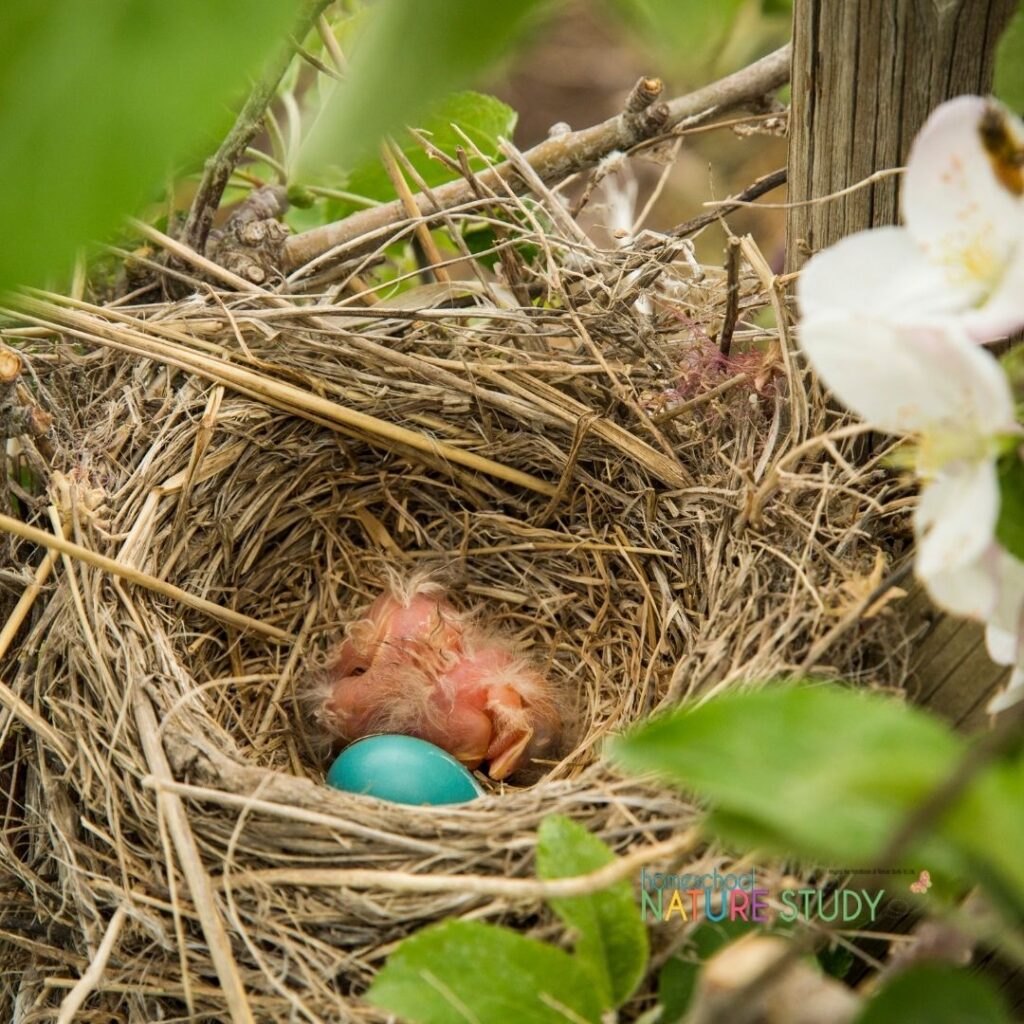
(404, 770)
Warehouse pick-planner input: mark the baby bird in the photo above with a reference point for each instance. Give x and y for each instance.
(414, 665)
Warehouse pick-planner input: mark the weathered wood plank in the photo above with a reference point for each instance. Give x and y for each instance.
(866, 74)
(951, 672)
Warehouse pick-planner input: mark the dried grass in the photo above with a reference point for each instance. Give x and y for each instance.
(277, 454)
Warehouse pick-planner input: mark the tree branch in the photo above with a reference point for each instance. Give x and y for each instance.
(556, 157)
(218, 168)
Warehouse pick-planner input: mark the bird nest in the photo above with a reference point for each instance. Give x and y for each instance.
(647, 518)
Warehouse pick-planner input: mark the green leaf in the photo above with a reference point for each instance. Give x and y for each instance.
(101, 100)
(482, 119)
(612, 939)
(988, 827)
(442, 45)
(690, 33)
(936, 994)
(1010, 526)
(1009, 74)
(816, 771)
(464, 970)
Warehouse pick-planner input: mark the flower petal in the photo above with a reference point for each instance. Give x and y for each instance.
(968, 591)
(909, 378)
(883, 272)
(1007, 613)
(1003, 645)
(955, 521)
(990, 589)
(1003, 312)
(1013, 694)
(954, 204)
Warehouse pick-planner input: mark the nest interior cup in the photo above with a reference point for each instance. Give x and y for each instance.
(639, 563)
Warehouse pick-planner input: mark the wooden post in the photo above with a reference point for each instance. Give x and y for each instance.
(866, 74)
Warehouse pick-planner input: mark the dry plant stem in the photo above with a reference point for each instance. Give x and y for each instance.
(745, 200)
(750, 193)
(401, 186)
(219, 167)
(554, 158)
(732, 295)
(405, 881)
(12, 703)
(24, 711)
(192, 867)
(72, 1002)
(93, 558)
(699, 400)
(20, 612)
(853, 616)
(290, 398)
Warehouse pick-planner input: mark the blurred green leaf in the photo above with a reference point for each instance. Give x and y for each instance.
(830, 774)
(1010, 526)
(442, 45)
(936, 994)
(988, 827)
(465, 970)
(612, 939)
(99, 101)
(1008, 84)
(690, 33)
(819, 771)
(482, 119)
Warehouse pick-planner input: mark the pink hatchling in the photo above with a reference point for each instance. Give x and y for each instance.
(414, 665)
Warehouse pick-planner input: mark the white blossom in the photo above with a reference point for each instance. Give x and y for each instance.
(892, 318)
(960, 253)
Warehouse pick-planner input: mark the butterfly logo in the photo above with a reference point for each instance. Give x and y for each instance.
(923, 884)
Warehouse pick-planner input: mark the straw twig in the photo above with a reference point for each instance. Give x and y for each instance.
(554, 158)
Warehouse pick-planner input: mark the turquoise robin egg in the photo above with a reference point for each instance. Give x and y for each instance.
(404, 770)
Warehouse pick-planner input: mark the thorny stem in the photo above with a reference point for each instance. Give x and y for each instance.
(556, 157)
(219, 167)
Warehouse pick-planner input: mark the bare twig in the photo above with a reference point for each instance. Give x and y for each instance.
(218, 168)
(750, 193)
(72, 1002)
(555, 157)
(701, 399)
